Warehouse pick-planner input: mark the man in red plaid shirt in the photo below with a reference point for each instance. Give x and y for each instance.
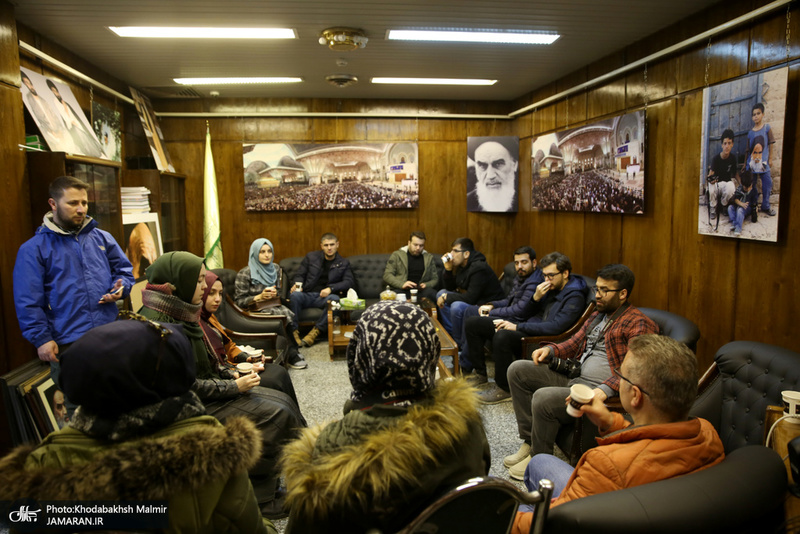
(538, 392)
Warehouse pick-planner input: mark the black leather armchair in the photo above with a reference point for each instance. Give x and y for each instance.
(238, 320)
(744, 493)
(674, 326)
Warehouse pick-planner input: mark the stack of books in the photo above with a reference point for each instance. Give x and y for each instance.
(135, 199)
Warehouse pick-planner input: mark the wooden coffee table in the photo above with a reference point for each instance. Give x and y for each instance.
(342, 339)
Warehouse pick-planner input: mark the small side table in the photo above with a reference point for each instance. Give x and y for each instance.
(784, 432)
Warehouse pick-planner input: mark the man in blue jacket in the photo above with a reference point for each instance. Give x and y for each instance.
(69, 275)
(323, 275)
(558, 301)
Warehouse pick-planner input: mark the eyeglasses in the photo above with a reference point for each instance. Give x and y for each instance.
(163, 331)
(456, 251)
(550, 276)
(616, 372)
(603, 291)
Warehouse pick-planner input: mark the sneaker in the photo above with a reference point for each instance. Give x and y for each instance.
(494, 395)
(737, 233)
(297, 340)
(311, 337)
(296, 361)
(513, 459)
(517, 471)
(770, 211)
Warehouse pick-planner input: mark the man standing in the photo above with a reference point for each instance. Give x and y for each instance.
(723, 169)
(412, 267)
(659, 386)
(69, 275)
(324, 275)
(538, 392)
(495, 166)
(468, 280)
(558, 301)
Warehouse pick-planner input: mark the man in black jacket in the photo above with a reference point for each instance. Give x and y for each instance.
(468, 280)
(323, 275)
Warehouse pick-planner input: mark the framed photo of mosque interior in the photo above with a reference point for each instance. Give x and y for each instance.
(317, 176)
(598, 167)
(741, 156)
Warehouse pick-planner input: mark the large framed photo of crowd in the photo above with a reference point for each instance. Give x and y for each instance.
(316, 176)
(598, 167)
(741, 156)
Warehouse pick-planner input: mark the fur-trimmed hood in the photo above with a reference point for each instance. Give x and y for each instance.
(386, 465)
(186, 456)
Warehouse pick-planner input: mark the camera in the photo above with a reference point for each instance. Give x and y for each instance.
(569, 368)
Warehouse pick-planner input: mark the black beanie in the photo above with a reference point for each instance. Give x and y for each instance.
(120, 366)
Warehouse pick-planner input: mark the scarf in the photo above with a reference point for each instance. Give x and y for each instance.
(139, 422)
(263, 274)
(392, 354)
(161, 299)
(214, 339)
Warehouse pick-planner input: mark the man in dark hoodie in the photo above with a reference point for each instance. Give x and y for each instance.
(467, 280)
(558, 301)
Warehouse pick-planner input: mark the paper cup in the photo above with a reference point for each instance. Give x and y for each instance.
(414, 295)
(579, 395)
(401, 297)
(791, 405)
(244, 368)
(299, 286)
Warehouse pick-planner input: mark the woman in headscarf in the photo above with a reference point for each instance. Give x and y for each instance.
(223, 347)
(402, 441)
(174, 294)
(141, 434)
(259, 284)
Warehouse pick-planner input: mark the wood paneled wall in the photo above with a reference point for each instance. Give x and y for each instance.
(733, 289)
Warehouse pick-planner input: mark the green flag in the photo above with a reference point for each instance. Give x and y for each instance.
(211, 232)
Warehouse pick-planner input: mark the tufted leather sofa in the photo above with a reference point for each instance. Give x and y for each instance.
(744, 493)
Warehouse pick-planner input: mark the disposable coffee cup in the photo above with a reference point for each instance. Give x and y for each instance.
(791, 405)
(244, 368)
(579, 395)
(414, 295)
(401, 297)
(299, 286)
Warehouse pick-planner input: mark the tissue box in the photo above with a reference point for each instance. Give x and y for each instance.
(353, 304)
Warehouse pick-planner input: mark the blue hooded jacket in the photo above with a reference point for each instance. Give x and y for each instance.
(59, 279)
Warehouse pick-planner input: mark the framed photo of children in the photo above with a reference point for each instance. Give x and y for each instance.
(742, 149)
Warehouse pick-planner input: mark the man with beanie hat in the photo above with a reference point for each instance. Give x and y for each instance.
(140, 433)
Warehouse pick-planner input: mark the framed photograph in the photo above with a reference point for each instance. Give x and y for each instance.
(492, 174)
(107, 124)
(59, 117)
(311, 176)
(142, 233)
(152, 131)
(51, 403)
(741, 156)
(598, 167)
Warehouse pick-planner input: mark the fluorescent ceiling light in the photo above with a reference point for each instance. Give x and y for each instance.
(232, 81)
(473, 36)
(204, 33)
(434, 81)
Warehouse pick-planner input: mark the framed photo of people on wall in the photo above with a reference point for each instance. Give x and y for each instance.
(316, 176)
(143, 243)
(493, 174)
(152, 131)
(597, 167)
(741, 156)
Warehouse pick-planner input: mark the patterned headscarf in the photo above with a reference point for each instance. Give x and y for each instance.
(393, 352)
(263, 274)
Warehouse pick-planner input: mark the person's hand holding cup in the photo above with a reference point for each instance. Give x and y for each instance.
(579, 394)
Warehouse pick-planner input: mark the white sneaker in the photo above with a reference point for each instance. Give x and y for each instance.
(517, 472)
(513, 459)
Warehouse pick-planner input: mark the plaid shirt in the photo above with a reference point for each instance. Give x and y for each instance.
(630, 324)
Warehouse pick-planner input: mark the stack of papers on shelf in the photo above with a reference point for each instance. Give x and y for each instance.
(135, 199)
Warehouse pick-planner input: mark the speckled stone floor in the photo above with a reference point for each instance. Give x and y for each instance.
(324, 386)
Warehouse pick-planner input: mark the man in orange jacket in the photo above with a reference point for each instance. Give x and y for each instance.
(658, 387)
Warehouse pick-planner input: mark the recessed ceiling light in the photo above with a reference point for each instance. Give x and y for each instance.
(203, 33)
(473, 36)
(231, 81)
(434, 81)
